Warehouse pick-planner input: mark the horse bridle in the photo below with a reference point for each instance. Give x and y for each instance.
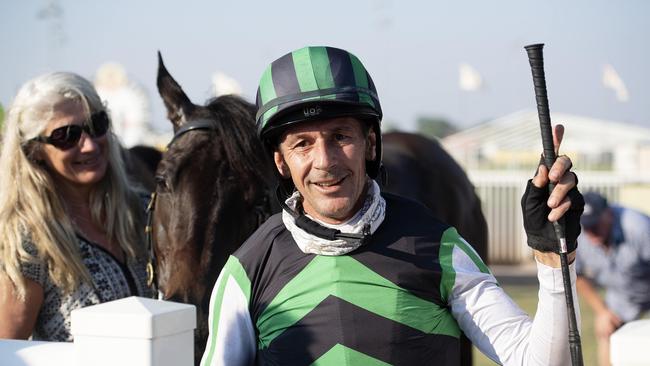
(262, 209)
(203, 125)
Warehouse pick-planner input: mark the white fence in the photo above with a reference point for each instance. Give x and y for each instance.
(134, 331)
(143, 332)
(500, 193)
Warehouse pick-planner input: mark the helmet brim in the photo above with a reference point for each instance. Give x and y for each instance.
(318, 110)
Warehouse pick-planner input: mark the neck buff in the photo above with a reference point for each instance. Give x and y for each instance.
(371, 214)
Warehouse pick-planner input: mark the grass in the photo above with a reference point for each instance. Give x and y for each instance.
(526, 297)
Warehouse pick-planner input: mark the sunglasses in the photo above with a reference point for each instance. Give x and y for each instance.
(66, 137)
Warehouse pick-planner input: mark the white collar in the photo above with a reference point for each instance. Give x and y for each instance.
(371, 214)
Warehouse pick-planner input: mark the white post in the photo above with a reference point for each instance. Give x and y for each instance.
(134, 331)
(630, 345)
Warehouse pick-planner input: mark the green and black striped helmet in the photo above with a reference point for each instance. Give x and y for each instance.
(316, 83)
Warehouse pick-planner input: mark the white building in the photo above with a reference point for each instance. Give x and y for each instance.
(514, 142)
(499, 156)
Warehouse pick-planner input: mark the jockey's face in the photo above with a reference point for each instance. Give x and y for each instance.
(326, 161)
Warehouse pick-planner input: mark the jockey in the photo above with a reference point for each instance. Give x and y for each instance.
(347, 274)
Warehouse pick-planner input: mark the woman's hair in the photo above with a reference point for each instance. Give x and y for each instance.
(31, 209)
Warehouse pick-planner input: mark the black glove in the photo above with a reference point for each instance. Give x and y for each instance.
(540, 232)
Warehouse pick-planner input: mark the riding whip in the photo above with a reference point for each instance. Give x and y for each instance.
(536, 59)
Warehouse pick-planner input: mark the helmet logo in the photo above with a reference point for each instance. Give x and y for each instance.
(312, 111)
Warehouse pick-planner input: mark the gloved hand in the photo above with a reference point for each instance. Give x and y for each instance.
(539, 230)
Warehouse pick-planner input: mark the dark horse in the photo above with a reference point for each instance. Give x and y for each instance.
(214, 180)
(141, 162)
(211, 194)
(419, 168)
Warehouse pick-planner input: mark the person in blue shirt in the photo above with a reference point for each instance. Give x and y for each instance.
(613, 253)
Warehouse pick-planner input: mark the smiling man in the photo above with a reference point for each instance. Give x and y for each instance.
(326, 160)
(348, 275)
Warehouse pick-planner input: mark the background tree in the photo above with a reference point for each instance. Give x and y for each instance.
(438, 127)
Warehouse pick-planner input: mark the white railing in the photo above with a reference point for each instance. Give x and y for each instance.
(134, 331)
(500, 195)
(501, 191)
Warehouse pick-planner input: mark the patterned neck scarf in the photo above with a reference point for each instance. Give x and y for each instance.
(371, 214)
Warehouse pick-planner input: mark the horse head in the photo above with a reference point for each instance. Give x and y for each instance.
(211, 193)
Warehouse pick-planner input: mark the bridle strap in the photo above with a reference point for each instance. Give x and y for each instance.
(200, 124)
(148, 232)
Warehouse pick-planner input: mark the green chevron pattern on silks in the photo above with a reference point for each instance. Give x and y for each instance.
(349, 280)
(450, 239)
(232, 269)
(341, 355)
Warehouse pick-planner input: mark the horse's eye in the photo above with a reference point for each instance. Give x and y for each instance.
(161, 182)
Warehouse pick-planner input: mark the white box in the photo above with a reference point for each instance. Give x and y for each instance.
(630, 345)
(134, 331)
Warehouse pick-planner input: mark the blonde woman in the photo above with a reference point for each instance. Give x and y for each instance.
(70, 224)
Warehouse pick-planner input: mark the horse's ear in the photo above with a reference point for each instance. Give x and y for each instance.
(176, 101)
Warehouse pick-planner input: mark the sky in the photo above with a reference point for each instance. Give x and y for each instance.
(412, 49)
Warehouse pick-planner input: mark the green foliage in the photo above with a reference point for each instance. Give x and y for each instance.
(2, 115)
(389, 126)
(435, 126)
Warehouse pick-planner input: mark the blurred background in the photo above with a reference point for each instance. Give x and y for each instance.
(461, 62)
(454, 71)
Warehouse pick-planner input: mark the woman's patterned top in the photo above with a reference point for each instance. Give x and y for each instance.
(112, 280)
